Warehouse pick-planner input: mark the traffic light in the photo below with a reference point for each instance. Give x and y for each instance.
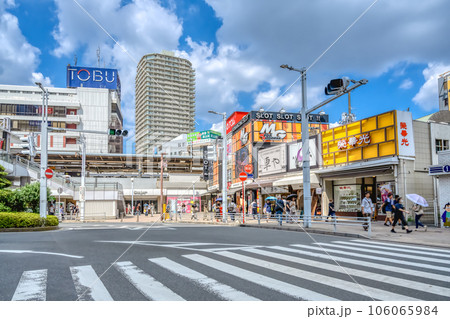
(117, 132)
(29, 147)
(337, 85)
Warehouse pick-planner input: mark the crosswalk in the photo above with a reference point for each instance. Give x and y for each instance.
(338, 270)
(117, 226)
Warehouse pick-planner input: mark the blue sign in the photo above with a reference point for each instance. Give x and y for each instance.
(438, 170)
(78, 76)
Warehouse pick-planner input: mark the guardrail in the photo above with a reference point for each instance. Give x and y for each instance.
(333, 222)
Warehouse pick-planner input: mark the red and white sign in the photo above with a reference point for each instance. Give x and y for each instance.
(248, 168)
(234, 119)
(243, 176)
(405, 137)
(48, 173)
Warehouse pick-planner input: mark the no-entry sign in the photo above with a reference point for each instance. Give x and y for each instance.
(48, 173)
(243, 176)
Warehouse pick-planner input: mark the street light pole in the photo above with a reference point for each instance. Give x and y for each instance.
(132, 196)
(224, 163)
(44, 152)
(83, 178)
(305, 138)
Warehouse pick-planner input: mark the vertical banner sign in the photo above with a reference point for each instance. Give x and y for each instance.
(205, 163)
(405, 134)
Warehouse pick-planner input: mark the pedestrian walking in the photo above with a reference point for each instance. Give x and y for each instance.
(138, 209)
(61, 211)
(181, 210)
(418, 211)
(268, 209)
(388, 207)
(218, 211)
(366, 208)
(399, 210)
(293, 210)
(51, 210)
(287, 208)
(152, 209)
(146, 209)
(331, 211)
(232, 210)
(254, 209)
(194, 212)
(279, 209)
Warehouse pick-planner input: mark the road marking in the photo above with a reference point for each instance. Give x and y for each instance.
(277, 285)
(350, 286)
(443, 252)
(38, 252)
(390, 260)
(211, 285)
(397, 249)
(88, 285)
(396, 254)
(145, 283)
(388, 279)
(32, 286)
(360, 262)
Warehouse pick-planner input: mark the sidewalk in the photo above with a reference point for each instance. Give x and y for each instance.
(438, 237)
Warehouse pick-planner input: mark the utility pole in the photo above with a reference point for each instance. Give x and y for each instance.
(162, 192)
(44, 152)
(83, 178)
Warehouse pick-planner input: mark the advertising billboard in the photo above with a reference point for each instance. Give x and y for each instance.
(272, 160)
(79, 76)
(234, 119)
(196, 137)
(296, 154)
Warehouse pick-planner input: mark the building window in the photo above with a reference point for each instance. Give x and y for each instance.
(441, 145)
(70, 140)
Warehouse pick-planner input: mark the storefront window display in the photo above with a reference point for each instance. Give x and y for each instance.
(347, 198)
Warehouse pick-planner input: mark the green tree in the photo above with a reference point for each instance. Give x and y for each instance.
(4, 183)
(29, 195)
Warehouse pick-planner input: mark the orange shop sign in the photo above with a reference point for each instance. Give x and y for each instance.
(354, 141)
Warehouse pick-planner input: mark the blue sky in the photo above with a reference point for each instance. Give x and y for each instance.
(236, 48)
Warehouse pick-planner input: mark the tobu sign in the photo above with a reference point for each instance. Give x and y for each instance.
(93, 77)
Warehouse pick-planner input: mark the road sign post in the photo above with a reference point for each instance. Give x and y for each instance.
(48, 173)
(243, 178)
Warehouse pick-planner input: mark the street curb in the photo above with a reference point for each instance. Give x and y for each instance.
(28, 229)
(198, 223)
(316, 231)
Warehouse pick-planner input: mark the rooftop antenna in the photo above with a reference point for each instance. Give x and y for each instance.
(75, 59)
(98, 56)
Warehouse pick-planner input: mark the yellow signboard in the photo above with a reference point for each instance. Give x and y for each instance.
(365, 139)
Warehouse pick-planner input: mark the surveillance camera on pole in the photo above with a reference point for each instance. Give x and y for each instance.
(337, 86)
(117, 132)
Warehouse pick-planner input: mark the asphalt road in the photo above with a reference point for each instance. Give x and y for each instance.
(191, 262)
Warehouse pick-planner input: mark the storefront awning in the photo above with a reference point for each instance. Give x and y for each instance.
(375, 167)
(296, 181)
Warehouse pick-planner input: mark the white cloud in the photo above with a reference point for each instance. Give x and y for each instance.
(140, 27)
(406, 84)
(218, 127)
(39, 77)
(427, 97)
(18, 58)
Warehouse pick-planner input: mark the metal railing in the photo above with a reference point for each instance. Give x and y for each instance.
(335, 222)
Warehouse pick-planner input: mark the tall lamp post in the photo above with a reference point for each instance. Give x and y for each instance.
(305, 149)
(132, 196)
(44, 152)
(338, 92)
(224, 163)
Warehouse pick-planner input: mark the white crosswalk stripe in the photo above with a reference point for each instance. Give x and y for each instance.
(373, 293)
(223, 291)
(145, 283)
(363, 263)
(261, 280)
(383, 252)
(88, 285)
(398, 249)
(441, 252)
(368, 256)
(32, 286)
(307, 272)
(412, 284)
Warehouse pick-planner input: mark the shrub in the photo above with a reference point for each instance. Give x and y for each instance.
(24, 220)
(4, 208)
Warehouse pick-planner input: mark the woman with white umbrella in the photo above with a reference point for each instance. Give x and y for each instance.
(417, 208)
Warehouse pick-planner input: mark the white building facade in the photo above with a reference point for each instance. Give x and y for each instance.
(96, 109)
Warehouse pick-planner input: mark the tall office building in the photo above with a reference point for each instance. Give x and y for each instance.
(165, 100)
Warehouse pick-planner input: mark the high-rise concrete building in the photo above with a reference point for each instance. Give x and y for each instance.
(165, 100)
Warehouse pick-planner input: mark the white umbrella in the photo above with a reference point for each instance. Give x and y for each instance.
(417, 199)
